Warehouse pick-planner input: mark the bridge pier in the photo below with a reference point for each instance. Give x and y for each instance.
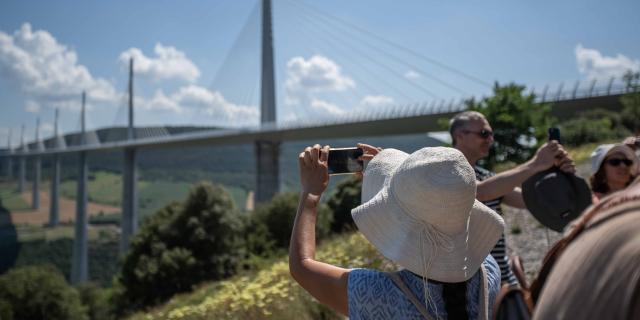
(79, 261)
(129, 223)
(79, 266)
(21, 174)
(55, 183)
(35, 191)
(267, 173)
(9, 167)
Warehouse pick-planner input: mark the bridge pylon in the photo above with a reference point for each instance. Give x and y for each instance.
(267, 152)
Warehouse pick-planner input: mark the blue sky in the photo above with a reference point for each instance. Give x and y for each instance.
(197, 62)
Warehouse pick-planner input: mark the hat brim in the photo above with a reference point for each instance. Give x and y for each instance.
(385, 224)
(379, 171)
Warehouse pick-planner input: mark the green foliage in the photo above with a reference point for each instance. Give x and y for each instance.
(181, 245)
(278, 216)
(631, 101)
(270, 293)
(346, 197)
(103, 256)
(38, 293)
(96, 300)
(592, 126)
(519, 124)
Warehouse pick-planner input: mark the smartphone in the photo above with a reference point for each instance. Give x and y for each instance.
(554, 134)
(344, 160)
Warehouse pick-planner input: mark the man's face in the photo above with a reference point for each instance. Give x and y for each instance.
(475, 139)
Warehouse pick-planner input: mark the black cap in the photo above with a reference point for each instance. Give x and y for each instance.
(555, 198)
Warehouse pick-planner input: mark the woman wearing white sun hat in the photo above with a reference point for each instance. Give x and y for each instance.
(613, 167)
(419, 210)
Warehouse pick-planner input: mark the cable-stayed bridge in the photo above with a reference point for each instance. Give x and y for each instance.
(404, 118)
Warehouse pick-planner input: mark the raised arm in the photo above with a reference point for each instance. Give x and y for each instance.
(325, 282)
(503, 184)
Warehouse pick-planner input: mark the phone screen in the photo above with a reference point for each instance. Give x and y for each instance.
(344, 160)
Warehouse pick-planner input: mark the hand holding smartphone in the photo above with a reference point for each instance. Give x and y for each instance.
(345, 160)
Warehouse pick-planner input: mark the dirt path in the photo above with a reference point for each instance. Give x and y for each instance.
(67, 210)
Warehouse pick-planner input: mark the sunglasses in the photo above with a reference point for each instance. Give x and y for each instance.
(484, 133)
(617, 162)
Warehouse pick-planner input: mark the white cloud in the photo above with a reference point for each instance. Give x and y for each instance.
(318, 74)
(376, 102)
(412, 75)
(46, 129)
(160, 102)
(32, 106)
(168, 63)
(326, 108)
(596, 66)
(47, 71)
(201, 100)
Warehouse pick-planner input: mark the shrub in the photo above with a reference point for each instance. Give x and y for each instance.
(38, 292)
(592, 126)
(180, 246)
(631, 102)
(346, 197)
(278, 216)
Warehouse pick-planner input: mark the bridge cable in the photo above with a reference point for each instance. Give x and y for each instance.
(244, 35)
(383, 65)
(360, 65)
(393, 44)
(398, 59)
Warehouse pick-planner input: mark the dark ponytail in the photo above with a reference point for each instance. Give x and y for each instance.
(455, 300)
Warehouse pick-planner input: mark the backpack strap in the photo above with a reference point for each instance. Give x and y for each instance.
(483, 303)
(409, 294)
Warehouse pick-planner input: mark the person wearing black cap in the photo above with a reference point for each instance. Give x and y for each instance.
(472, 134)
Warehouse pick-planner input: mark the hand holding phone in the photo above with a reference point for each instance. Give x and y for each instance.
(344, 160)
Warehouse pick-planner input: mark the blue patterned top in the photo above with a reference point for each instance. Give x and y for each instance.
(373, 295)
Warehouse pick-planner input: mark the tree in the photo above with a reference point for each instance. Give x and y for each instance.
(38, 292)
(631, 102)
(346, 197)
(181, 245)
(278, 216)
(593, 126)
(519, 124)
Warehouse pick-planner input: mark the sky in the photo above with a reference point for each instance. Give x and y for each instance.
(198, 62)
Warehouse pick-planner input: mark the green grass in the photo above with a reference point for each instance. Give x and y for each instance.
(36, 233)
(106, 188)
(11, 200)
(103, 187)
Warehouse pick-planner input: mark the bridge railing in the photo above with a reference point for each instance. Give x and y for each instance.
(585, 89)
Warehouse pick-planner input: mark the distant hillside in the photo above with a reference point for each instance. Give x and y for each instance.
(229, 165)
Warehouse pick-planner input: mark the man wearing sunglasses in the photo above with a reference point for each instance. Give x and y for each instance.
(472, 134)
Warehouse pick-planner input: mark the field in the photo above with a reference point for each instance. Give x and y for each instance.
(24, 239)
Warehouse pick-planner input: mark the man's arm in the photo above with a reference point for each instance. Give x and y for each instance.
(323, 281)
(501, 184)
(514, 199)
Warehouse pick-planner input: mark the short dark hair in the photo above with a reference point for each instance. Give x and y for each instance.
(460, 120)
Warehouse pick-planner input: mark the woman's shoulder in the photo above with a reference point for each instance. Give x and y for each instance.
(373, 295)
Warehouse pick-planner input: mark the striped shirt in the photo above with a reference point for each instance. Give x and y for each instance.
(499, 252)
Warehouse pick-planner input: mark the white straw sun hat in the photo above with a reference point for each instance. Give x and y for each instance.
(419, 210)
